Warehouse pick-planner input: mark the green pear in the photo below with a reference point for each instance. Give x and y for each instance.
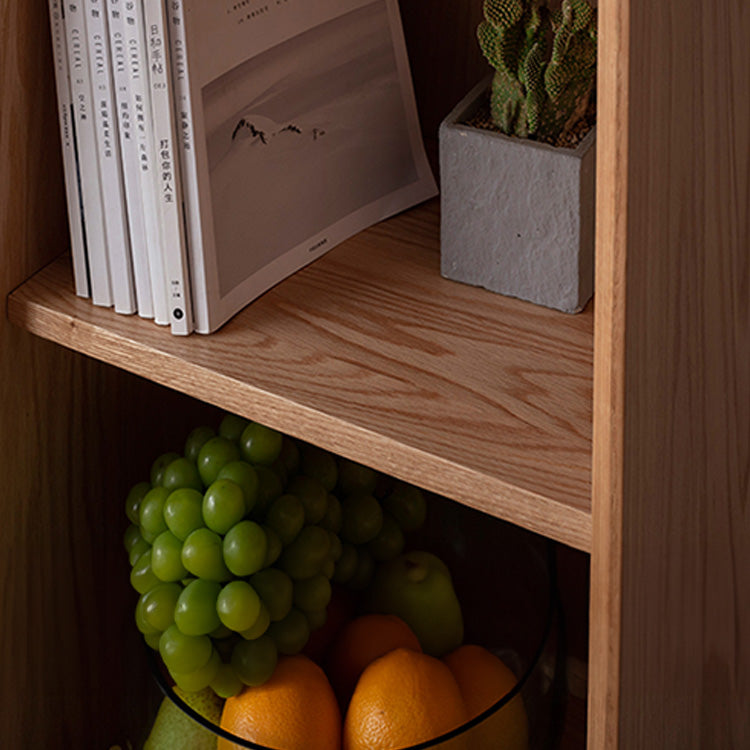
(173, 728)
(417, 587)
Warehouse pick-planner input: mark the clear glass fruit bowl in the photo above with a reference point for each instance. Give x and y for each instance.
(505, 579)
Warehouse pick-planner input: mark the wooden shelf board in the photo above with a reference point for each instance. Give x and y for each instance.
(370, 353)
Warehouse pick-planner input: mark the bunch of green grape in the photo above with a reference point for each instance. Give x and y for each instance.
(234, 546)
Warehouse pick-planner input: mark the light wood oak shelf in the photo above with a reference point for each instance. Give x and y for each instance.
(370, 353)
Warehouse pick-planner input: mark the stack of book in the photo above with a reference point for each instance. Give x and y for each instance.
(213, 147)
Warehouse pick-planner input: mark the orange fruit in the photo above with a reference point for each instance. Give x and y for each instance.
(359, 643)
(294, 710)
(484, 679)
(401, 699)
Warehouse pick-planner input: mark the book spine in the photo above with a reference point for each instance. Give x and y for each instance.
(144, 135)
(85, 140)
(129, 157)
(169, 182)
(69, 156)
(188, 163)
(108, 149)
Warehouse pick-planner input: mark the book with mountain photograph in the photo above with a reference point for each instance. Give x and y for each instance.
(298, 129)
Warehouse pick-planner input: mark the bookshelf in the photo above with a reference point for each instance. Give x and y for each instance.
(621, 432)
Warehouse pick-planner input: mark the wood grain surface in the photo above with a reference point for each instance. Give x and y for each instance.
(670, 611)
(370, 353)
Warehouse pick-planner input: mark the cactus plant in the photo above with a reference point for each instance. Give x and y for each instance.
(545, 65)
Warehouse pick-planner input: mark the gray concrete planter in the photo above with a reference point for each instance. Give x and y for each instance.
(517, 216)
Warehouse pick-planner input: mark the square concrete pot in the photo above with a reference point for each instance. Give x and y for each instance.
(517, 216)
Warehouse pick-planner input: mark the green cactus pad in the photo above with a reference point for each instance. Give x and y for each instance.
(537, 91)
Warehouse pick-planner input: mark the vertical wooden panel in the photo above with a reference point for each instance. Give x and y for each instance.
(611, 238)
(671, 657)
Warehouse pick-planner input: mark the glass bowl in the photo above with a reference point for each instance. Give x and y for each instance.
(505, 579)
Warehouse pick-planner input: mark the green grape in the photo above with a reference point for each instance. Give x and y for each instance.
(354, 477)
(328, 568)
(269, 488)
(260, 445)
(215, 453)
(202, 555)
(201, 678)
(182, 472)
(321, 465)
(226, 684)
(332, 518)
(346, 564)
(158, 466)
(280, 470)
(407, 504)
(304, 557)
(184, 653)
(275, 590)
(255, 661)
(131, 537)
(362, 518)
(232, 426)
(313, 495)
(290, 455)
(133, 501)
(151, 513)
(139, 548)
(166, 557)
(389, 542)
(182, 512)
(196, 439)
(312, 594)
(241, 473)
(337, 546)
(317, 618)
(273, 546)
(290, 634)
(286, 516)
(363, 572)
(223, 505)
(152, 640)
(140, 620)
(259, 627)
(238, 606)
(142, 578)
(159, 605)
(244, 548)
(195, 613)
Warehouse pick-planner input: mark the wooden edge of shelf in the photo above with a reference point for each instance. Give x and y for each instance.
(112, 341)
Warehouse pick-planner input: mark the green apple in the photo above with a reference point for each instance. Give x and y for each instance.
(417, 587)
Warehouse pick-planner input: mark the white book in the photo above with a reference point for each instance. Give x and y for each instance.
(186, 148)
(168, 169)
(118, 20)
(304, 131)
(144, 133)
(108, 152)
(88, 162)
(69, 156)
